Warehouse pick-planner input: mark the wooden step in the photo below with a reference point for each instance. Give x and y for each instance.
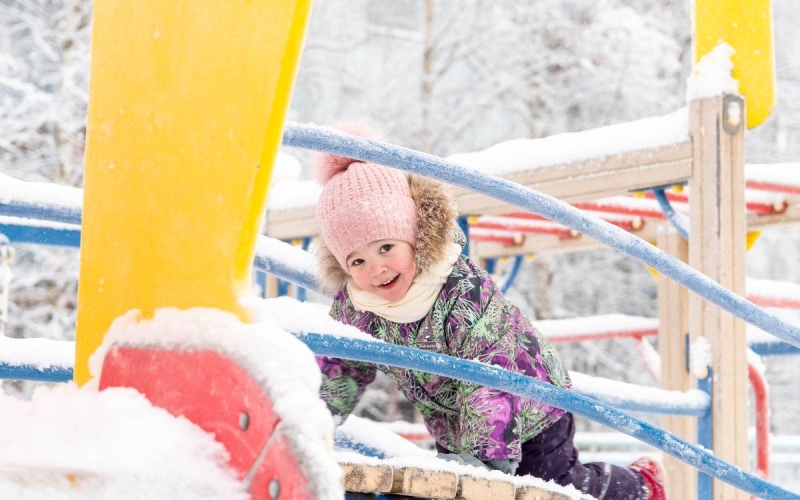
(377, 476)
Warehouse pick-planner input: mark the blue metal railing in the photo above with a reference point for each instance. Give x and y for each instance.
(670, 214)
(514, 383)
(512, 274)
(331, 141)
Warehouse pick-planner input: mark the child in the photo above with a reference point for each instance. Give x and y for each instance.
(392, 251)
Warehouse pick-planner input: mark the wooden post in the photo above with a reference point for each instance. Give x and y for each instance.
(717, 249)
(673, 320)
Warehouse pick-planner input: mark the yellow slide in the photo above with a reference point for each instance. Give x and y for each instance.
(187, 102)
(746, 25)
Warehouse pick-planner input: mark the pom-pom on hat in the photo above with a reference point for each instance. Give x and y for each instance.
(362, 202)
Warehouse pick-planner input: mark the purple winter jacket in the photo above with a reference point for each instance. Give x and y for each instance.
(471, 319)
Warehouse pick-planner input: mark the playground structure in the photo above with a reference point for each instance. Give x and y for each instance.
(120, 187)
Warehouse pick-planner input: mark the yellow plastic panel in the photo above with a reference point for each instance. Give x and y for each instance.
(187, 101)
(746, 25)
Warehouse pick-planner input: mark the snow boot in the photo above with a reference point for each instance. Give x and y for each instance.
(654, 478)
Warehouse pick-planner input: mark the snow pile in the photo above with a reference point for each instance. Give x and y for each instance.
(614, 392)
(784, 174)
(39, 193)
(40, 353)
(700, 357)
(301, 317)
(284, 367)
(293, 194)
(287, 168)
(554, 329)
(84, 444)
(773, 289)
(711, 76)
(525, 154)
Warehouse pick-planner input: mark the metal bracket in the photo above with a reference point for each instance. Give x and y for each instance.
(732, 113)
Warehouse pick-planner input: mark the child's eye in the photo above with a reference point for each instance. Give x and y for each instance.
(385, 248)
(356, 262)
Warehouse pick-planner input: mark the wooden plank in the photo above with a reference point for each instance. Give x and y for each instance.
(422, 483)
(577, 181)
(760, 222)
(534, 493)
(585, 187)
(634, 160)
(272, 287)
(291, 224)
(479, 488)
(673, 315)
(366, 478)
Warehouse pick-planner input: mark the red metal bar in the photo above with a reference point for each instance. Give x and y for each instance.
(628, 225)
(609, 335)
(780, 302)
(493, 238)
(654, 213)
(770, 186)
(560, 231)
(758, 207)
(762, 420)
(648, 353)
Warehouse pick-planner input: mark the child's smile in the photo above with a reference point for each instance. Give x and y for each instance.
(384, 268)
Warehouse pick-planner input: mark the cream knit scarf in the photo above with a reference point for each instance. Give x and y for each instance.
(420, 296)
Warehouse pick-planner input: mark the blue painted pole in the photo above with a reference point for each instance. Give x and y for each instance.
(463, 223)
(512, 274)
(670, 214)
(301, 291)
(486, 375)
(331, 141)
(705, 438)
(31, 372)
(42, 235)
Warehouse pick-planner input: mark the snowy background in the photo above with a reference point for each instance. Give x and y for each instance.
(441, 77)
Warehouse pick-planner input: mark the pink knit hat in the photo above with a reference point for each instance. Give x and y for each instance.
(362, 202)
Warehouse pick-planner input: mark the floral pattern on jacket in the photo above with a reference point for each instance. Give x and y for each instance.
(471, 319)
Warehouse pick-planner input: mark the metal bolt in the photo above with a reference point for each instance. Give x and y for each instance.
(244, 421)
(274, 488)
(734, 113)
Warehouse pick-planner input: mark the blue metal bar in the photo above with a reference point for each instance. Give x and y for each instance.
(512, 274)
(301, 291)
(55, 213)
(31, 372)
(42, 235)
(491, 264)
(288, 269)
(283, 288)
(705, 438)
(773, 348)
(344, 441)
(331, 141)
(264, 260)
(486, 375)
(261, 281)
(670, 214)
(463, 223)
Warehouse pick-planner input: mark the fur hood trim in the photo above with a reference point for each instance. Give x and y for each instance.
(436, 215)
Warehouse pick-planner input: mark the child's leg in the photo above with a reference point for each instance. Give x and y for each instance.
(552, 456)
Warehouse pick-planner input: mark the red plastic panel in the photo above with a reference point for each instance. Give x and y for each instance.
(221, 397)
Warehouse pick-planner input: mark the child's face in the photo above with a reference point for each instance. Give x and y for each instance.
(384, 268)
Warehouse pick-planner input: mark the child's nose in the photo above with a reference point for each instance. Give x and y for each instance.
(376, 269)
